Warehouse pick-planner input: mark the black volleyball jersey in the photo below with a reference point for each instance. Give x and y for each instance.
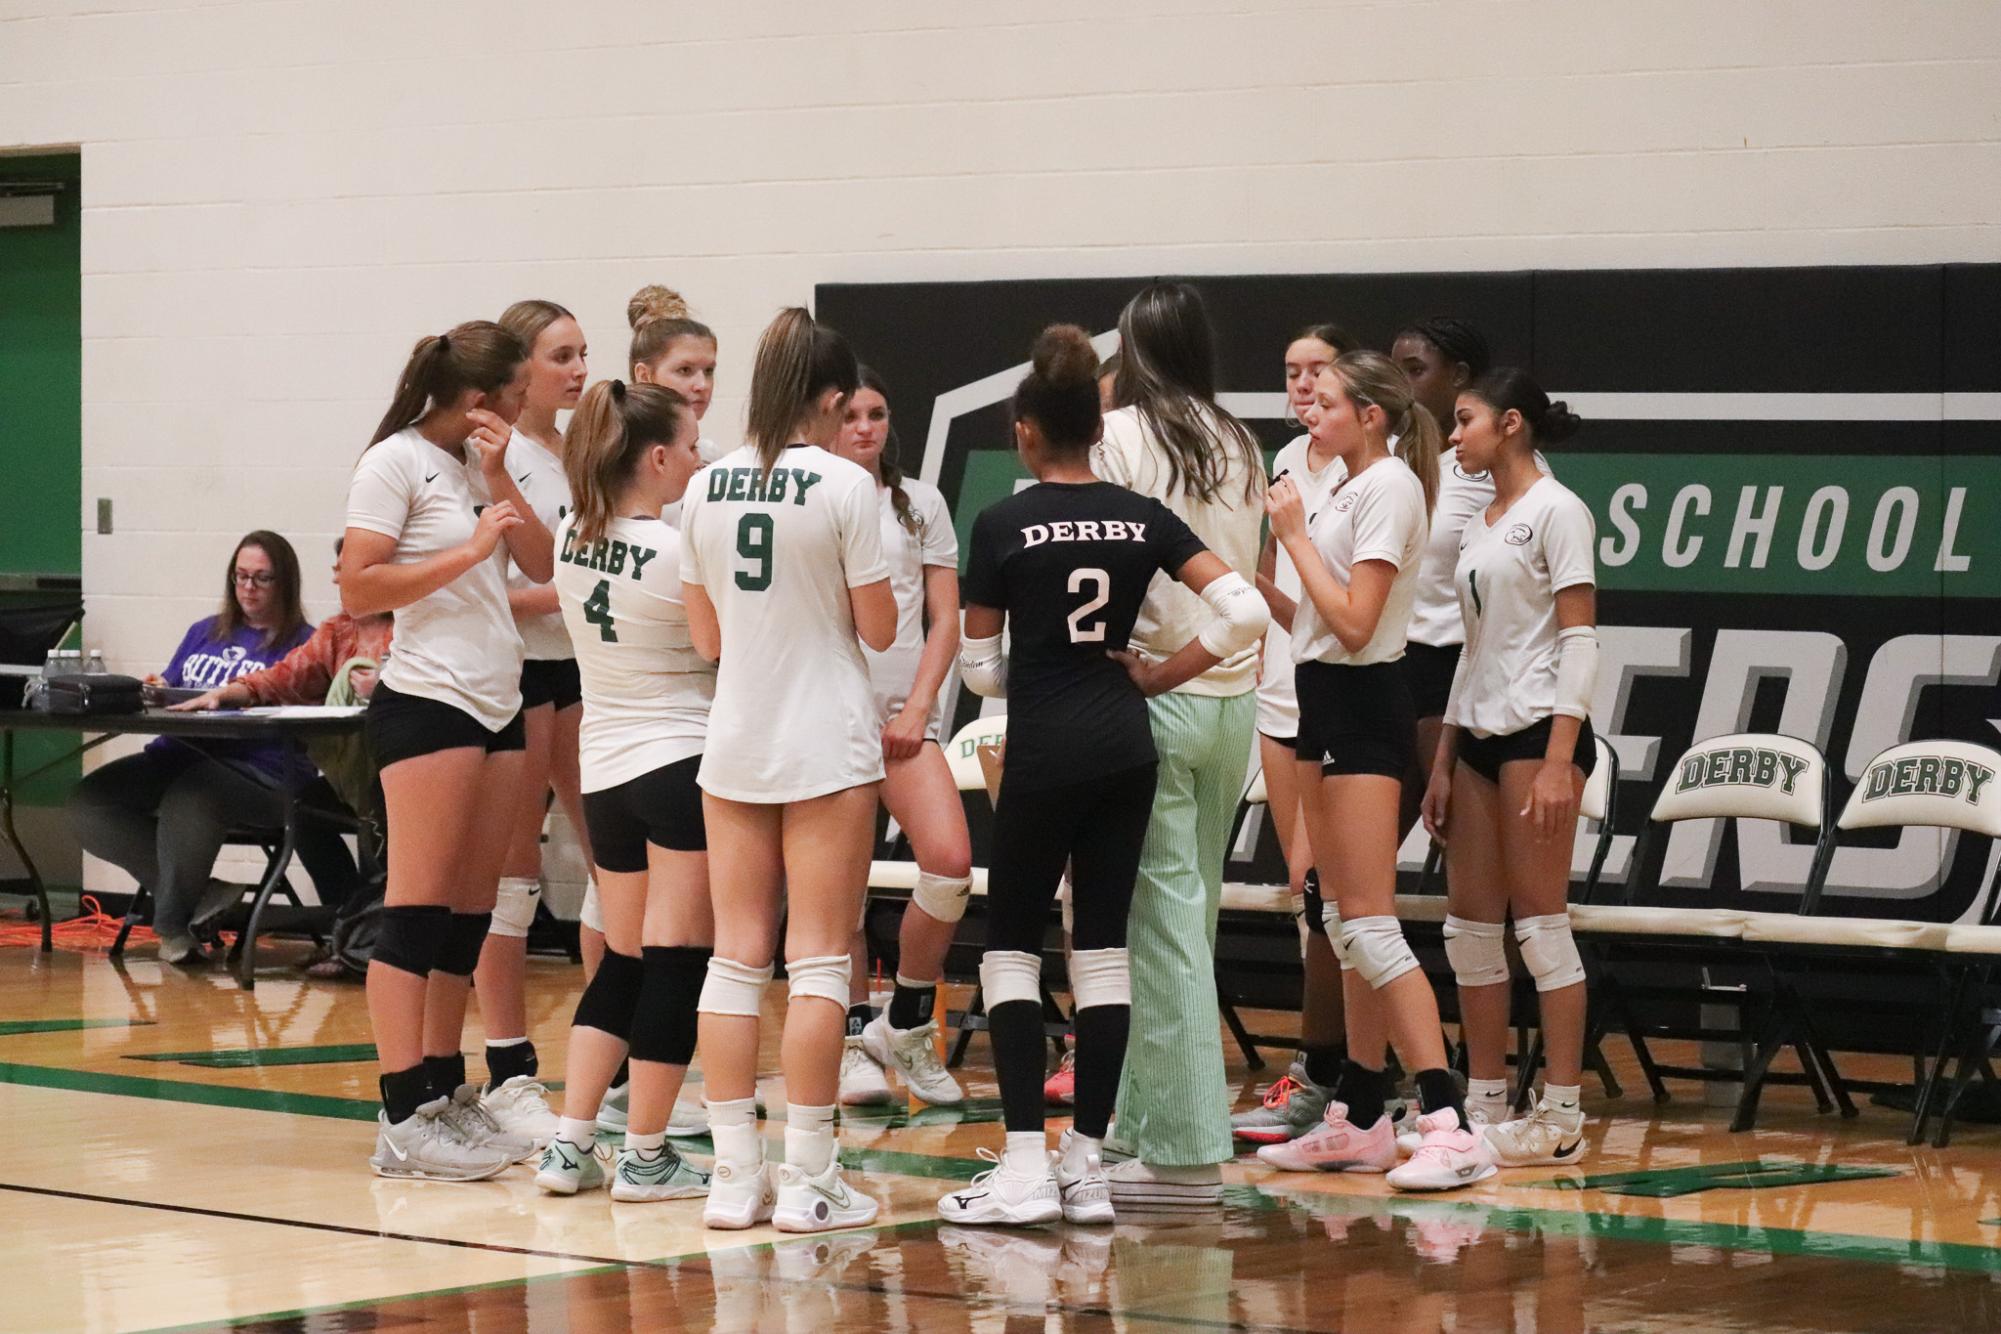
(1070, 562)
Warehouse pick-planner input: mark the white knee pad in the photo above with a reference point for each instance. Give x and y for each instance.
(1298, 901)
(1330, 922)
(1478, 951)
(824, 977)
(942, 896)
(514, 905)
(1100, 977)
(1549, 951)
(1010, 975)
(1375, 948)
(590, 915)
(734, 988)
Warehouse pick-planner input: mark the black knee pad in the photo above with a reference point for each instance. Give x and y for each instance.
(410, 935)
(1316, 907)
(459, 954)
(663, 1029)
(609, 1001)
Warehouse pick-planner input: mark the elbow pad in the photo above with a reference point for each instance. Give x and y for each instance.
(1241, 616)
(1576, 669)
(984, 666)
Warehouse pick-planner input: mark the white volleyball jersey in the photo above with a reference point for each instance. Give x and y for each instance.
(546, 488)
(1378, 514)
(1278, 700)
(908, 554)
(795, 715)
(1509, 574)
(647, 692)
(1435, 618)
(457, 645)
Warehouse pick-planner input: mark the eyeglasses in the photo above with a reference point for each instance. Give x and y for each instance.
(260, 579)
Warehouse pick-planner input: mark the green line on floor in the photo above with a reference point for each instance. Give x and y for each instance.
(239, 1058)
(11, 1027)
(176, 1090)
(1757, 1174)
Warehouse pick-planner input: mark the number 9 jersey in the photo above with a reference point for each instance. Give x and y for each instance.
(795, 714)
(647, 692)
(1070, 563)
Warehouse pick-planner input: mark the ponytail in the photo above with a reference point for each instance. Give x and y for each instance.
(1060, 392)
(478, 354)
(1370, 377)
(797, 361)
(612, 428)
(1509, 389)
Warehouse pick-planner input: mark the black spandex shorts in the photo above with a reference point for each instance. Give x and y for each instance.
(1356, 720)
(551, 681)
(1429, 670)
(662, 807)
(403, 727)
(1098, 827)
(1485, 755)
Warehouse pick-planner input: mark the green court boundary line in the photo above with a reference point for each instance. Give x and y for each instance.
(18, 1027)
(1960, 1256)
(248, 1058)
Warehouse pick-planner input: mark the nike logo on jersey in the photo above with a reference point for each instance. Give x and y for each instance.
(1083, 530)
(781, 485)
(432, 478)
(523, 478)
(610, 556)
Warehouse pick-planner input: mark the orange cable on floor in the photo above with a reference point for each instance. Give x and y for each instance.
(91, 929)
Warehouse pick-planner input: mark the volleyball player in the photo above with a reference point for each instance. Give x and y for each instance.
(1515, 751)
(1295, 1104)
(781, 558)
(444, 723)
(1358, 569)
(670, 347)
(1067, 564)
(647, 693)
(550, 710)
(917, 787)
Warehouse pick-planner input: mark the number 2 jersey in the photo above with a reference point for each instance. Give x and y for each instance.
(1070, 562)
(647, 692)
(795, 715)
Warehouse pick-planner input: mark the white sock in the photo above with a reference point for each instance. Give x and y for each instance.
(583, 1134)
(809, 1137)
(1027, 1151)
(645, 1143)
(1079, 1152)
(1561, 1097)
(733, 1129)
(1486, 1090)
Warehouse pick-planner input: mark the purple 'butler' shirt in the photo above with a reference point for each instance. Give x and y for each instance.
(208, 659)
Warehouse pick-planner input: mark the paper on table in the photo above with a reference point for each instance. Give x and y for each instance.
(307, 711)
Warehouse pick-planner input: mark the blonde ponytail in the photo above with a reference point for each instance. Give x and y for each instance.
(797, 361)
(1419, 444)
(1370, 377)
(614, 424)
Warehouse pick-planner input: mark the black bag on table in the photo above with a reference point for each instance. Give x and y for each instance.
(94, 694)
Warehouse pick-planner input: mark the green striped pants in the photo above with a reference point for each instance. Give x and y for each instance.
(1174, 1109)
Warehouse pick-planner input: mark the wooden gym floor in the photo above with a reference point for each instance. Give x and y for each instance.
(183, 1155)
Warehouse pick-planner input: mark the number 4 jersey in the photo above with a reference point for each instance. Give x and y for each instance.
(1069, 562)
(777, 552)
(647, 692)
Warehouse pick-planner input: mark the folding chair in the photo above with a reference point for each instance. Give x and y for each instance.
(1742, 776)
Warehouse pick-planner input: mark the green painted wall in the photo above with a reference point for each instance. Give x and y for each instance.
(41, 381)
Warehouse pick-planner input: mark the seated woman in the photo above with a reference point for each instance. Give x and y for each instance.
(161, 815)
(343, 649)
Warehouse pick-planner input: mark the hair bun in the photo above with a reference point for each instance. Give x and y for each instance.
(1558, 423)
(1063, 356)
(654, 302)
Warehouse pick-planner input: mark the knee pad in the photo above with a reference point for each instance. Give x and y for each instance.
(590, 915)
(729, 987)
(1375, 948)
(1314, 907)
(664, 1024)
(1549, 951)
(610, 1001)
(943, 896)
(514, 906)
(410, 936)
(459, 953)
(1477, 951)
(823, 977)
(1011, 975)
(1100, 977)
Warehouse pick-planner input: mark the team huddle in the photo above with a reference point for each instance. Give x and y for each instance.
(752, 648)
